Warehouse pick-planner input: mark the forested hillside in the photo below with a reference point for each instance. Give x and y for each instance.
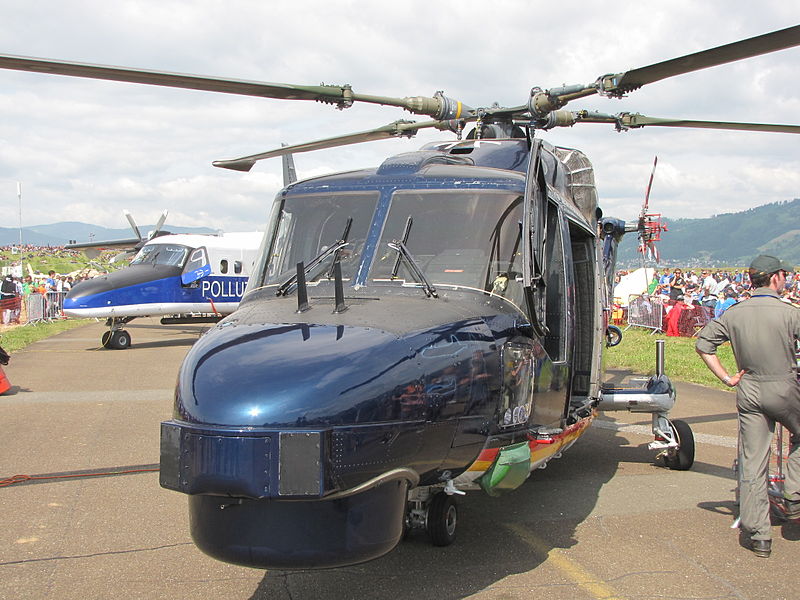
(728, 239)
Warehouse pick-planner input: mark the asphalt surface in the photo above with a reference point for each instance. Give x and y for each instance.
(601, 522)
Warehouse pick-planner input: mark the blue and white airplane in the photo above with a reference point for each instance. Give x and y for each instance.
(185, 278)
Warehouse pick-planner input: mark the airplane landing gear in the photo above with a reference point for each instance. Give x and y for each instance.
(117, 338)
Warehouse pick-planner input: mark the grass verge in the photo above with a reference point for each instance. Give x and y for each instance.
(16, 338)
(637, 352)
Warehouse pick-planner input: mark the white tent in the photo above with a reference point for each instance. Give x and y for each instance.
(632, 284)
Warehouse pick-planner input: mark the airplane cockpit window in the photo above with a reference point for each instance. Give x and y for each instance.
(172, 255)
(470, 239)
(320, 228)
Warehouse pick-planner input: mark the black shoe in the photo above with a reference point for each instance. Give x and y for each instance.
(761, 548)
(792, 508)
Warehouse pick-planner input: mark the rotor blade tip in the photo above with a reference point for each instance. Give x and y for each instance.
(235, 165)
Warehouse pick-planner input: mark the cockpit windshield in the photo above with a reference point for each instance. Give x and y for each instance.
(311, 224)
(172, 255)
(470, 239)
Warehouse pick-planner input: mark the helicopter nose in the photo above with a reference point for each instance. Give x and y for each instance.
(288, 441)
(296, 375)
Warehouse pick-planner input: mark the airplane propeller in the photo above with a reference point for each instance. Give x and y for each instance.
(130, 246)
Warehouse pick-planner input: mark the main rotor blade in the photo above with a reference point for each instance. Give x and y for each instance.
(163, 78)
(637, 120)
(755, 46)
(543, 104)
(396, 129)
(438, 106)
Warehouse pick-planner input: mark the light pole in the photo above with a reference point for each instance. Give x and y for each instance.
(19, 197)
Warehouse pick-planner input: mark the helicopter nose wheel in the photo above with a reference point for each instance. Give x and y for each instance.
(118, 339)
(442, 519)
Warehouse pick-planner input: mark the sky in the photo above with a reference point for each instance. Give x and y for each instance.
(84, 150)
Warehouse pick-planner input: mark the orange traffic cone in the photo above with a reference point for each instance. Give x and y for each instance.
(5, 385)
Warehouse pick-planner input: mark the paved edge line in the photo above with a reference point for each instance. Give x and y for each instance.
(593, 585)
(703, 438)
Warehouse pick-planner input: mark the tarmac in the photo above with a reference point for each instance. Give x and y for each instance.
(601, 522)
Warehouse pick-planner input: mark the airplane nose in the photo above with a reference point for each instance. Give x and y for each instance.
(90, 287)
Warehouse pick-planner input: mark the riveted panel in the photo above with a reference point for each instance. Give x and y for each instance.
(300, 465)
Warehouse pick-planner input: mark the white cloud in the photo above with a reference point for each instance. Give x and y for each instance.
(85, 150)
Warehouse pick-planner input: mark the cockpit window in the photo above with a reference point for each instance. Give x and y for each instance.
(171, 255)
(311, 224)
(471, 239)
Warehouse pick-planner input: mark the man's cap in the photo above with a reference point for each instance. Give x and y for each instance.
(764, 263)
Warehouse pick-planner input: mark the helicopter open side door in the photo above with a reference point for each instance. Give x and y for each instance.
(197, 266)
(534, 225)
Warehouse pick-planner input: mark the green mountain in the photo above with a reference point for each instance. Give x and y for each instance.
(58, 234)
(729, 239)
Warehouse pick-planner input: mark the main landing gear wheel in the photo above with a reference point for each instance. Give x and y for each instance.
(106, 339)
(682, 457)
(442, 520)
(118, 339)
(613, 336)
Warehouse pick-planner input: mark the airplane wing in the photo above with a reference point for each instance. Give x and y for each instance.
(107, 245)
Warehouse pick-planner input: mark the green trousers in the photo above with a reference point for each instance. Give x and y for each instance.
(761, 403)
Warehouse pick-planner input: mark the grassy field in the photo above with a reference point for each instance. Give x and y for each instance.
(16, 338)
(638, 353)
(60, 261)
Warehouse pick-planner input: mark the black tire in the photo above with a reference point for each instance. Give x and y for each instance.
(106, 339)
(120, 339)
(681, 459)
(613, 336)
(442, 520)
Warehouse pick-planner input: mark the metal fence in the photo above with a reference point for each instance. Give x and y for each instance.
(684, 320)
(644, 311)
(33, 308)
(44, 307)
(10, 309)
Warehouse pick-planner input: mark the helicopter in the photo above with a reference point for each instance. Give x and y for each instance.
(412, 331)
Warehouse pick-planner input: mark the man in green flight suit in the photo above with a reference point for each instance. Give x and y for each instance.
(762, 332)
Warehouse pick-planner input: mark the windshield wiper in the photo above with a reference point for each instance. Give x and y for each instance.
(284, 288)
(402, 252)
(400, 247)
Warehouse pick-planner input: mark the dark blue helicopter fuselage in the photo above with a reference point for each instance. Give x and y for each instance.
(297, 433)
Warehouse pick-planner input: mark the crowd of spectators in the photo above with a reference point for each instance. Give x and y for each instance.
(15, 289)
(30, 252)
(703, 290)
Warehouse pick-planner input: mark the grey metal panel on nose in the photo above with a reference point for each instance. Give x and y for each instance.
(300, 464)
